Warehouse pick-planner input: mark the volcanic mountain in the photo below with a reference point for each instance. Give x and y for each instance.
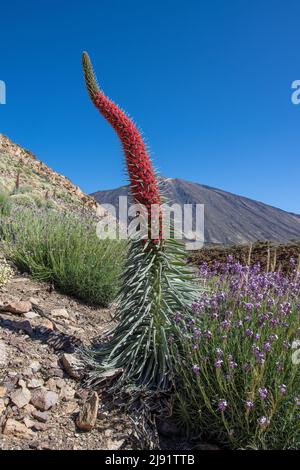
(228, 218)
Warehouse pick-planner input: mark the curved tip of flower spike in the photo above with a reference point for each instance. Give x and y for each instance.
(89, 76)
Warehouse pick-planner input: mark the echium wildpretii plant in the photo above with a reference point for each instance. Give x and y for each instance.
(157, 285)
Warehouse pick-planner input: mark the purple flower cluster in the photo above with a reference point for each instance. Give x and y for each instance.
(241, 337)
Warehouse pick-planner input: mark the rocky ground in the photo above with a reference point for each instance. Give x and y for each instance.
(43, 404)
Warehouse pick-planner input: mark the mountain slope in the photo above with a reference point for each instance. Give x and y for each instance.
(229, 219)
(31, 180)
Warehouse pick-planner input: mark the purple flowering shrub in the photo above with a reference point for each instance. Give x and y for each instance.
(238, 378)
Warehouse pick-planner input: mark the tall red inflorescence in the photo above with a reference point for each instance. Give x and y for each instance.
(143, 182)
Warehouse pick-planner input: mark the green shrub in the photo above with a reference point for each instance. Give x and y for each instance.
(40, 202)
(22, 199)
(22, 190)
(5, 205)
(50, 204)
(238, 376)
(65, 250)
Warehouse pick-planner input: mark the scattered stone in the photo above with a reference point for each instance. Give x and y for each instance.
(44, 323)
(29, 408)
(35, 383)
(67, 393)
(72, 365)
(31, 315)
(71, 407)
(74, 330)
(14, 375)
(44, 399)
(108, 432)
(17, 429)
(17, 307)
(41, 416)
(51, 385)
(37, 426)
(60, 383)
(3, 391)
(87, 417)
(35, 366)
(2, 406)
(55, 373)
(3, 355)
(114, 444)
(54, 364)
(22, 383)
(59, 313)
(28, 422)
(27, 372)
(82, 394)
(21, 397)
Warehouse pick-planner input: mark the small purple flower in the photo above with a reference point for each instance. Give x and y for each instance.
(249, 404)
(263, 421)
(263, 393)
(232, 364)
(222, 405)
(226, 324)
(219, 352)
(218, 363)
(197, 333)
(229, 314)
(248, 332)
(260, 358)
(207, 334)
(214, 315)
(178, 317)
(282, 389)
(297, 400)
(267, 346)
(255, 349)
(248, 306)
(196, 369)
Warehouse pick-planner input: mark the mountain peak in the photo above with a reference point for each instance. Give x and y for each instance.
(228, 218)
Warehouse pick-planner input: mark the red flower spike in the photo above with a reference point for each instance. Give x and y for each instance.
(143, 183)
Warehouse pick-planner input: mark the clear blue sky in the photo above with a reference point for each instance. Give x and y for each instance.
(209, 82)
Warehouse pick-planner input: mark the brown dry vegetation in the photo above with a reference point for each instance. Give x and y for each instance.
(271, 256)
